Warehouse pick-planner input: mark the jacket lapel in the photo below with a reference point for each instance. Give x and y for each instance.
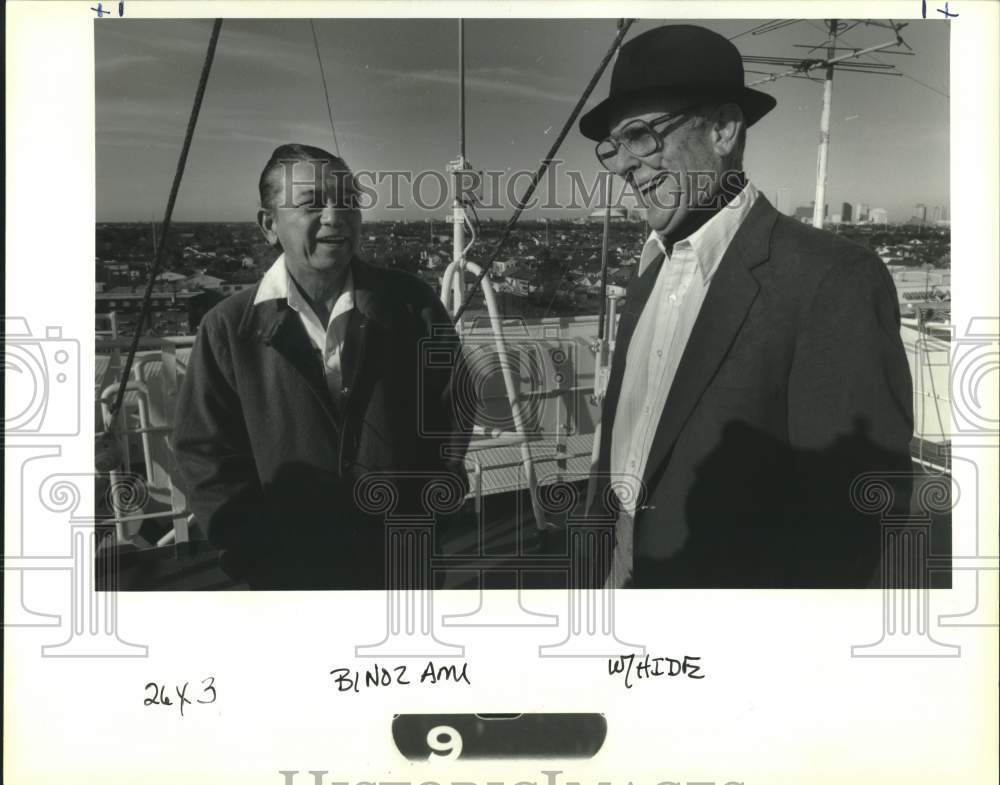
(276, 325)
(730, 295)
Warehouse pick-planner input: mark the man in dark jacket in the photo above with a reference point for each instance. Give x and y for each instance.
(303, 389)
(758, 369)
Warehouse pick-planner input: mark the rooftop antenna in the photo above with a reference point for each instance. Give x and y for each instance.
(801, 67)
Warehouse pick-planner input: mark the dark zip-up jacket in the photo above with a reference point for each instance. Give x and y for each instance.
(293, 486)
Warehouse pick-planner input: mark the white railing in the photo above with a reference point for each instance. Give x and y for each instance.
(148, 409)
(453, 283)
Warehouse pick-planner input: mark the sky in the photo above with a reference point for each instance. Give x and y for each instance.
(393, 87)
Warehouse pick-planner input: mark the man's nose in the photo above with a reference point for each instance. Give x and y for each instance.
(623, 162)
(328, 214)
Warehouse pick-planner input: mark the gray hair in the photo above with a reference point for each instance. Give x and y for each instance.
(269, 190)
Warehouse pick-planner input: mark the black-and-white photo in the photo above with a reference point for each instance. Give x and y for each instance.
(522, 303)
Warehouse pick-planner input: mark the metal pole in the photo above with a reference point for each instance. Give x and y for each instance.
(457, 210)
(461, 88)
(602, 311)
(513, 395)
(824, 132)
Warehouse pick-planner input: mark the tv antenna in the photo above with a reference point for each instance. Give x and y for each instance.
(847, 60)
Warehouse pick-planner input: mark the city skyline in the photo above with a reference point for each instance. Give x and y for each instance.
(395, 108)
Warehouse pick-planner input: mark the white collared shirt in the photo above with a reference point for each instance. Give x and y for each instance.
(277, 284)
(655, 351)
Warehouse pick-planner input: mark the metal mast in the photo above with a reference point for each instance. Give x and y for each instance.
(824, 131)
(457, 168)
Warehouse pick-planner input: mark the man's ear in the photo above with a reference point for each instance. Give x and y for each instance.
(265, 222)
(726, 128)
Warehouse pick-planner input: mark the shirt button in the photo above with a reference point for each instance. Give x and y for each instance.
(346, 391)
(673, 298)
(659, 352)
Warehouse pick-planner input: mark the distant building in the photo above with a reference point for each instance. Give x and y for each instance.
(203, 281)
(878, 215)
(861, 212)
(940, 214)
(176, 311)
(805, 214)
(121, 273)
(917, 284)
(783, 201)
(616, 214)
(520, 282)
(845, 212)
(919, 214)
(504, 266)
(232, 288)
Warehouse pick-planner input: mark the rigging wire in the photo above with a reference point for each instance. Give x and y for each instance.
(778, 25)
(924, 84)
(904, 74)
(623, 27)
(766, 27)
(751, 30)
(326, 91)
(168, 215)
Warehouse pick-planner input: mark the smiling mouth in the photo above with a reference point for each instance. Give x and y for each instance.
(651, 185)
(334, 240)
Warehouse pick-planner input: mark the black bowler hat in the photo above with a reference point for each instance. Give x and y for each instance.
(677, 60)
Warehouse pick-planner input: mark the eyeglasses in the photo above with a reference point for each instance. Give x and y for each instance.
(640, 137)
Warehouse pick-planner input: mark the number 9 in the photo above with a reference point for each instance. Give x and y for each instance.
(450, 748)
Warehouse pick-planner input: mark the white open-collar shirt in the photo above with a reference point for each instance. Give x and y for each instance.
(654, 353)
(328, 339)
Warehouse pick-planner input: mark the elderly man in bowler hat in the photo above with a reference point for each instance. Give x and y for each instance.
(758, 369)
